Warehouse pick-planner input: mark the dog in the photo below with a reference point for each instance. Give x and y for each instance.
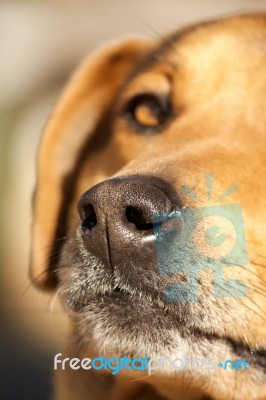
(161, 147)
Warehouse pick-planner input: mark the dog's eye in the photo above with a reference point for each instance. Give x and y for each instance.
(147, 111)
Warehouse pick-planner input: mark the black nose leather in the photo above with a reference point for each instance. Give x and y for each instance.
(131, 202)
(117, 213)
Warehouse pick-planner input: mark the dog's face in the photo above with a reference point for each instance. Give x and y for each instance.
(145, 140)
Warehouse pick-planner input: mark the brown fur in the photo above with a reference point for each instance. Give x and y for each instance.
(215, 74)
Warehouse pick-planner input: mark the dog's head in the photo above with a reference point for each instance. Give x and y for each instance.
(163, 259)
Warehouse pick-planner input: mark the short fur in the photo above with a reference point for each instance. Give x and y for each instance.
(215, 76)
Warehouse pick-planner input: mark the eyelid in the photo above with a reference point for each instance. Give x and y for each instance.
(162, 99)
(153, 93)
(153, 82)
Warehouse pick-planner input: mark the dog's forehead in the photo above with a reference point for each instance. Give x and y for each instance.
(211, 67)
(234, 43)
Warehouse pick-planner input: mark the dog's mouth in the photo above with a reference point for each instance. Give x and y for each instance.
(112, 297)
(118, 289)
(120, 296)
(256, 356)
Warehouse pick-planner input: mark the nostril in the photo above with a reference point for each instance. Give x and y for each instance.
(137, 217)
(89, 217)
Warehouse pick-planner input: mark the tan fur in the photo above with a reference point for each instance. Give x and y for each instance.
(216, 74)
(67, 131)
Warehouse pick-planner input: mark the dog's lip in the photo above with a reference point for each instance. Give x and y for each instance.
(118, 289)
(244, 351)
(118, 296)
(119, 292)
(257, 356)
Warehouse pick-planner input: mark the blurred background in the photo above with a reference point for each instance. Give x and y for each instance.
(41, 41)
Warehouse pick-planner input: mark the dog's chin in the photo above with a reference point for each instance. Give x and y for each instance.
(121, 324)
(120, 320)
(118, 323)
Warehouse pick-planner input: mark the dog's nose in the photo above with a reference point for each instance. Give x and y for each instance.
(118, 212)
(130, 202)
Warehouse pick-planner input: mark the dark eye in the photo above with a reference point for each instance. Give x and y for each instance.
(148, 111)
